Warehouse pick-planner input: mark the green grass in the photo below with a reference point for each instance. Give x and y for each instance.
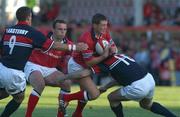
(47, 106)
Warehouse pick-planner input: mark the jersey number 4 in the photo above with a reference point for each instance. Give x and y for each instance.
(123, 59)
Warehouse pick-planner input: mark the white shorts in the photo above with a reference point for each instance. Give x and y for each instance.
(73, 66)
(13, 81)
(30, 67)
(138, 90)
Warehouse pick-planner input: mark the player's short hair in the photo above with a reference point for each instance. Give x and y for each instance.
(23, 13)
(58, 21)
(97, 18)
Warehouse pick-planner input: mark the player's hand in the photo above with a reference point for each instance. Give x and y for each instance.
(113, 50)
(102, 89)
(106, 52)
(81, 46)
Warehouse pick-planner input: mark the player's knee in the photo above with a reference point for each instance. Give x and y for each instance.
(110, 97)
(40, 87)
(66, 85)
(19, 97)
(144, 105)
(3, 95)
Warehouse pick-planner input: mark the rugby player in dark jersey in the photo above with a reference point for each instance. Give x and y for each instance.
(137, 84)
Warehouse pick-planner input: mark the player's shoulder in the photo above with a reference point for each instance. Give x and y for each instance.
(107, 35)
(85, 36)
(69, 41)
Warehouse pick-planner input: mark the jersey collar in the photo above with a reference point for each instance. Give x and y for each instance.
(22, 23)
(94, 36)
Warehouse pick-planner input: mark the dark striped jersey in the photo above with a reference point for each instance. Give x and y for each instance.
(18, 42)
(123, 69)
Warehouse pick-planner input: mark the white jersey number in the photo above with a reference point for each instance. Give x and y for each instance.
(12, 42)
(123, 57)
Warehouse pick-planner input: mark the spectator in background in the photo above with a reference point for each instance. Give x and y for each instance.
(148, 11)
(176, 53)
(51, 13)
(177, 17)
(142, 55)
(152, 13)
(155, 59)
(165, 57)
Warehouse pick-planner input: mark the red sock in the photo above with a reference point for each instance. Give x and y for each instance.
(81, 95)
(33, 100)
(60, 114)
(80, 107)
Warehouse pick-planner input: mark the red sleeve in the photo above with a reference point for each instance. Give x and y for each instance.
(86, 38)
(110, 40)
(47, 44)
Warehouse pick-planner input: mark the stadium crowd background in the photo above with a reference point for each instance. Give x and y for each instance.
(147, 30)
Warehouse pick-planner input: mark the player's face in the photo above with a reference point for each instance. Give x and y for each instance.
(101, 27)
(60, 30)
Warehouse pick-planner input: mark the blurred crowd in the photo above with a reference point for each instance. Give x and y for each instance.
(157, 53)
(155, 12)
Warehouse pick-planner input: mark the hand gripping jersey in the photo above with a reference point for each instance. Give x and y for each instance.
(90, 39)
(18, 42)
(51, 58)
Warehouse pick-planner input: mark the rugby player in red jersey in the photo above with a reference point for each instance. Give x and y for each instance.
(88, 58)
(16, 46)
(42, 67)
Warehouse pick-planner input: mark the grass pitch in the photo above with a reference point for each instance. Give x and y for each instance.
(47, 106)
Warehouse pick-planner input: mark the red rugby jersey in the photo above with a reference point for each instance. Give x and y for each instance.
(51, 58)
(87, 55)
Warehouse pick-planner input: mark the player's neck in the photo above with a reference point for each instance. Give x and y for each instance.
(98, 35)
(56, 38)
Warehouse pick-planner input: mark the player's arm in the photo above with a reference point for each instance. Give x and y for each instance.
(41, 41)
(110, 84)
(69, 47)
(76, 75)
(113, 47)
(95, 60)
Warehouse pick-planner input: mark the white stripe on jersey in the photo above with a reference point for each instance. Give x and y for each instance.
(114, 64)
(19, 44)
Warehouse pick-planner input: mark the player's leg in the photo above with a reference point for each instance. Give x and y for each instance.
(14, 83)
(13, 105)
(3, 93)
(53, 80)
(90, 91)
(80, 107)
(155, 107)
(147, 85)
(73, 67)
(115, 99)
(37, 82)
